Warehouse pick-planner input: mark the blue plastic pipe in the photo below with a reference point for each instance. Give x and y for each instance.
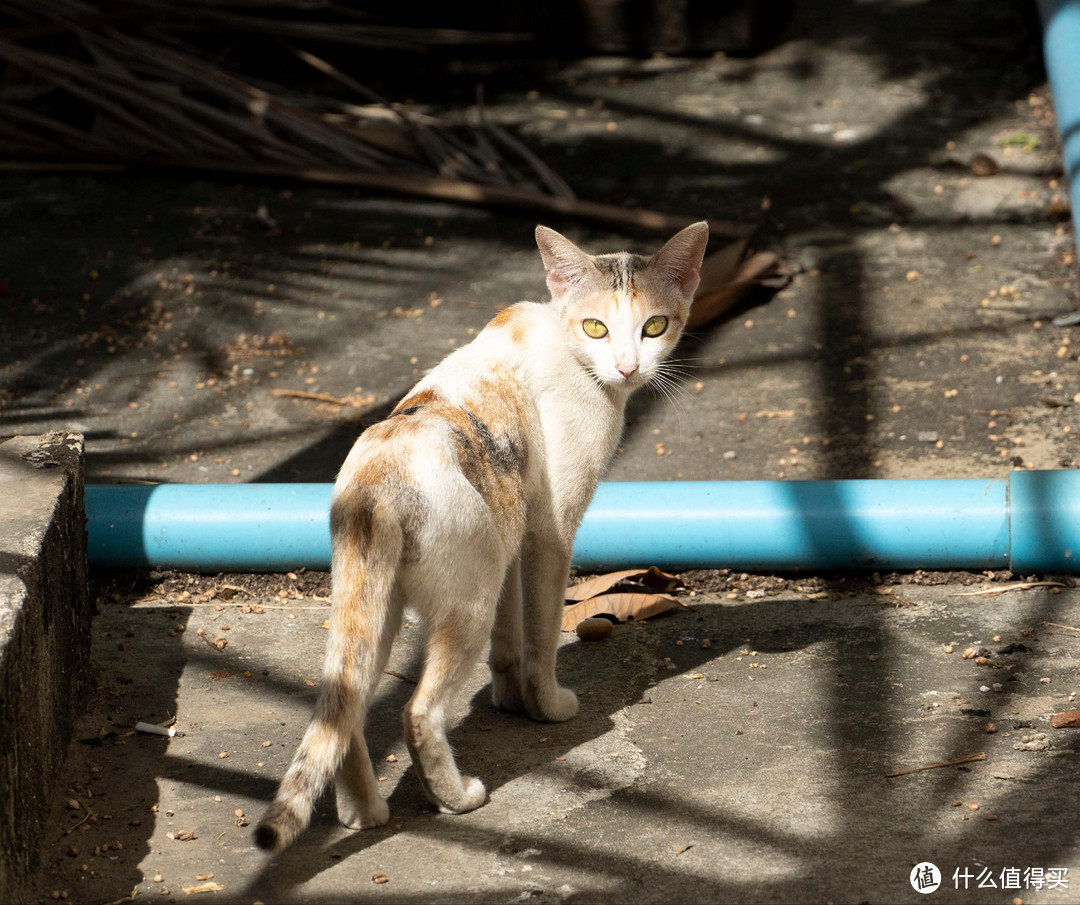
(1029, 522)
(1061, 53)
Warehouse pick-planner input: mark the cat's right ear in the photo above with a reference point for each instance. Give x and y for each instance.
(567, 266)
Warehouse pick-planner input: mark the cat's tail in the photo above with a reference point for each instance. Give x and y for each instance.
(367, 548)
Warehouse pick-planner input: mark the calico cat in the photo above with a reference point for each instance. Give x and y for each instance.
(463, 505)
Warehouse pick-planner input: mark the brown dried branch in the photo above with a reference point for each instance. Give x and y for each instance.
(132, 86)
(966, 759)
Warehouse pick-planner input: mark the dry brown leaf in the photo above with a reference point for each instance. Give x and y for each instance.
(721, 267)
(624, 607)
(651, 577)
(725, 282)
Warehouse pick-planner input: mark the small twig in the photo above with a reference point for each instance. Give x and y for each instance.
(130, 897)
(1015, 586)
(1071, 628)
(265, 606)
(87, 816)
(217, 643)
(233, 587)
(967, 758)
(398, 675)
(551, 180)
(354, 401)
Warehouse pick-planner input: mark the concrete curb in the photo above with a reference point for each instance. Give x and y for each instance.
(44, 633)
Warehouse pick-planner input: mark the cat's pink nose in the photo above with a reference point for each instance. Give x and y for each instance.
(627, 370)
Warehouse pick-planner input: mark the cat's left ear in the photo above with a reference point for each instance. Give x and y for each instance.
(679, 261)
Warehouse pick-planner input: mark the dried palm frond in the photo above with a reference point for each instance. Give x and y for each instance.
(147, 82)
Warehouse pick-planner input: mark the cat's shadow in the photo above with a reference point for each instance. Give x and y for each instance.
(626, 671)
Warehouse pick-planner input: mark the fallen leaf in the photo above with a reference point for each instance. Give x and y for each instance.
(651, 577)
(727, 278)
(202, 887)
(623, 607)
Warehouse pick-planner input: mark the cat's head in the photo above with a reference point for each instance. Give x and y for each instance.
(623, 313)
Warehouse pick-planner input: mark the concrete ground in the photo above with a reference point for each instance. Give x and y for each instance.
(174, 322)
(750, 770)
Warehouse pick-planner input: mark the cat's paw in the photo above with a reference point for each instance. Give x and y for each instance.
(506, 690)
(473, 795)
(357, 816)
(551, 703)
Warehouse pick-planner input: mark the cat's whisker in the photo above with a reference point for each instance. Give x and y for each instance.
(693, 359)
(670, 388)
(678, 373)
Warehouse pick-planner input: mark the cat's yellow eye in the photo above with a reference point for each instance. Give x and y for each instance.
(655, 325)
(594, 328)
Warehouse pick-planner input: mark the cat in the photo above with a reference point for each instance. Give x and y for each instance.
(463, 504)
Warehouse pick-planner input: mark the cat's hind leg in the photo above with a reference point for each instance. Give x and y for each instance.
(365, 617)
(458, 628)
(505, 659)
(359, 804)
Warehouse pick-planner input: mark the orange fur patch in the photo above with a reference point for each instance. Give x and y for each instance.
(504, 317)
(417, 398)
(511, 317)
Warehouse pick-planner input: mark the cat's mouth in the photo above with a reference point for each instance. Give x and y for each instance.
(624, 381)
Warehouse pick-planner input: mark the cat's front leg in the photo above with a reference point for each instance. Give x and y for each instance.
(505, 660)
(546, 568)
